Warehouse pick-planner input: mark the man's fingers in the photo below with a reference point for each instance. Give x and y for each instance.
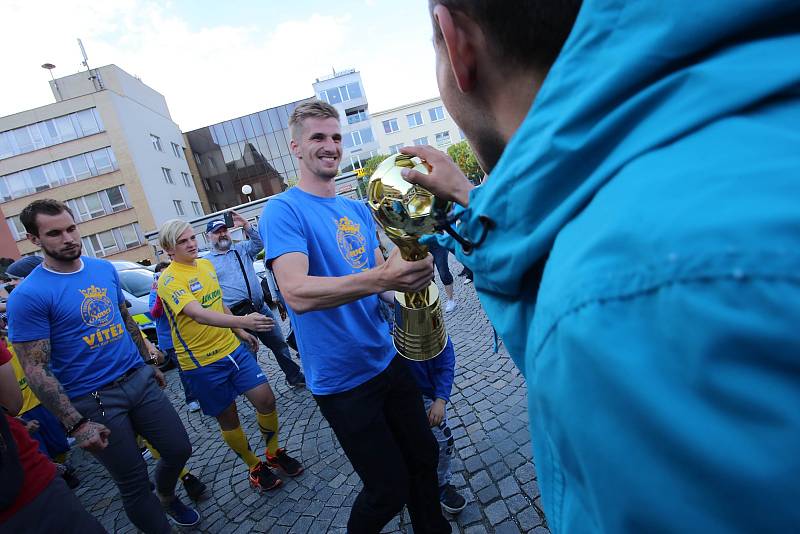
(414, 177)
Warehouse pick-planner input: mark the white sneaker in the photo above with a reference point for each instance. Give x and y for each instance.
(449, 306)
(193, 406)
(467, 281)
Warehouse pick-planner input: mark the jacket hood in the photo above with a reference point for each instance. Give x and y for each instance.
(632, 77)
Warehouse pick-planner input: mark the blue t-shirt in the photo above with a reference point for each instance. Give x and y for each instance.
(345, 346)
(79, 313)
(163, 331)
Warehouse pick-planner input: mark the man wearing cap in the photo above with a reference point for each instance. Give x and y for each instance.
(241, 288)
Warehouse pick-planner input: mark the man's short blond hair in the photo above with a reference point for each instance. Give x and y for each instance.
(170, 231)
(315, 109)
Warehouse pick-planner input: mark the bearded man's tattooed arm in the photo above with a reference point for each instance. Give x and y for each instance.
(35, 359)
(133, 329)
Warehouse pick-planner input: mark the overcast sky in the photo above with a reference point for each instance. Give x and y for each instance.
(215, 60)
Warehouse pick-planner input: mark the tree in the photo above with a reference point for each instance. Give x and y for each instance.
(465, 158)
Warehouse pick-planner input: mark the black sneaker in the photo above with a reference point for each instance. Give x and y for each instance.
(70, 477)
(194, 488)
(451, 500)
(182, 515)
(281, 460)
(262, 478)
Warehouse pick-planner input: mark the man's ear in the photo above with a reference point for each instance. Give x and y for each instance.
(33, 239)
(459, 34)
(294, 147)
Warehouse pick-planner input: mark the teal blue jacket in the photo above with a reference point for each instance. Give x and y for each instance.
(657, 180)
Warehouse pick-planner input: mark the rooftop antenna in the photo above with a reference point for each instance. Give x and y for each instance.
(85, 61)
(94, 76)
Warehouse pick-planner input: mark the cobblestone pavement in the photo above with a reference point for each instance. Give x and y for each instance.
(492, 466)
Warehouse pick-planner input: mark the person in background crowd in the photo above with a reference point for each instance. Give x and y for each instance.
(435, 380)
(86, 360)
(241, 287)
(164, 334)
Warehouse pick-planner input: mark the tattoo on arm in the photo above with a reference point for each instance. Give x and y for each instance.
(35, 359)
(133, 329)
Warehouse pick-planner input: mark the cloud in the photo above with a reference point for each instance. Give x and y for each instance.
(209, 72)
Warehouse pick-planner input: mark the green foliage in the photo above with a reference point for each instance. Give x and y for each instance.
(465, 158)
(366, 172)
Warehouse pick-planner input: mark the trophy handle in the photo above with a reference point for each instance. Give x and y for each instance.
(411, 250)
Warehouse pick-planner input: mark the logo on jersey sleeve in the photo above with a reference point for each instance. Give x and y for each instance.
(97, 311)
(352, 244)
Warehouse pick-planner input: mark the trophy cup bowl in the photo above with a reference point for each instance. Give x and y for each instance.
(405, 212)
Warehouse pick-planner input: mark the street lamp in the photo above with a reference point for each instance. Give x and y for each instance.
(246, 190)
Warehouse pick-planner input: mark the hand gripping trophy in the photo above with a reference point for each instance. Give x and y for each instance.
(405, 212)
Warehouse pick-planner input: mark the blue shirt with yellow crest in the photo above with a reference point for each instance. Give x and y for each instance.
(345, 346)
(79, 313)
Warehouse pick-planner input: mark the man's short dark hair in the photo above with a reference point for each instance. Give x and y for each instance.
(529, 33)
(46, 206)
(315, 109)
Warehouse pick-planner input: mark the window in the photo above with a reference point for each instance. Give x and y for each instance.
(167, 175)
(104, 243)
(49, 132)
(186, 181)
(421, 141)
(343, 93)
(442, 139)
(177, 150)
(116, 198)
(196, 207)
(89, 207)
(130, 237)
(394, 149)
(414, 119)
(220, 189)
(390, 126)
(437, 114)
(357, 115)
(59, 172)
(17, 230)
(156, 142)
(196, 159)
(207, 184)
(178, 207)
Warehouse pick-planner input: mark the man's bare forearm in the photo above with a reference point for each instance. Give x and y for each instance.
(133, 329)
(311, 293)
(35, 359)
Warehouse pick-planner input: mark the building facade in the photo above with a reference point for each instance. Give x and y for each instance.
(345, 91)
(251, 150)
(421, 123)
(109, 149)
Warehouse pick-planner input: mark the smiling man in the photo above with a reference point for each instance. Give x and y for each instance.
(325, 255)
(85, 359)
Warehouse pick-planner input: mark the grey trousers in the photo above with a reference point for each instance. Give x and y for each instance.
(275, 342)
(56, 510)
(134, 406)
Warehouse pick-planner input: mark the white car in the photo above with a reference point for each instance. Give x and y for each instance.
(136, 281)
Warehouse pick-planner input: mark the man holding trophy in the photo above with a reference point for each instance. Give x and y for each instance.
(326, 259)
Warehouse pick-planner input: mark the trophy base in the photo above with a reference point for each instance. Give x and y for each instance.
(419, 333)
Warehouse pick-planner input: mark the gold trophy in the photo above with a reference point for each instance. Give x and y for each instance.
(405, 212)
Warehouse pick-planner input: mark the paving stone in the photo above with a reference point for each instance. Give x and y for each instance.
(507, 527)
(529, 518)
(496, 512)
